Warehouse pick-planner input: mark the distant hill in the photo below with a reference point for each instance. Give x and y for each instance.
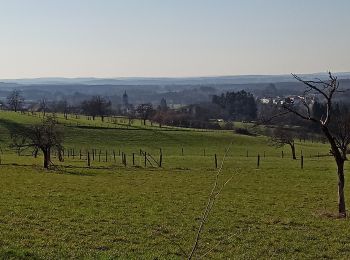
(144, 90)
(220, 80)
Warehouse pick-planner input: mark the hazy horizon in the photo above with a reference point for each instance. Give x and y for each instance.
(167, 39)
(178, 77)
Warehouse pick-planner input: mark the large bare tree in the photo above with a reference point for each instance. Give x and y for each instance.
(330, 124)
(46, 136)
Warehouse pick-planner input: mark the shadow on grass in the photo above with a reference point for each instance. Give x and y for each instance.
(12, 126)
(57, 169)
(17, 254)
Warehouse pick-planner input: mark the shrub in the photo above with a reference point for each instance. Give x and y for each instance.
(244, 131)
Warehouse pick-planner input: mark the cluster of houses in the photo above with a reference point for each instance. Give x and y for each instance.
(291, 99)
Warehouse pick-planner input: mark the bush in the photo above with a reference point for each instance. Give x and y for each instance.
(244, 131)
(228, 126)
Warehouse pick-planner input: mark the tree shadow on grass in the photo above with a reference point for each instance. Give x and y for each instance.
(12, 126)
(71, 170)
(54, 168)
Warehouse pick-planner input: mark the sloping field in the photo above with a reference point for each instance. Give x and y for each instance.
(110, 210)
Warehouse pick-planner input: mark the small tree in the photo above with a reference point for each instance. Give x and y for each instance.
(331, 126)
(43, 106)
(61, 106)
(15, 100)
(280, 138)
(97, 106)
(46, 136)
(145, 111)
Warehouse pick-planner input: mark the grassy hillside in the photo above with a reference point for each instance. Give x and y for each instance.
(110, 211)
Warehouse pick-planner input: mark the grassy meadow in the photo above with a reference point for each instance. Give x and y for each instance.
(109, 210)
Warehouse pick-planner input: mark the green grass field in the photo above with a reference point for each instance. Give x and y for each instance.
(111, 211)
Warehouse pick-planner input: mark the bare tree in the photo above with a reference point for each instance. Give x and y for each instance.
(61, 106)
(97, 106)
(43, 106)
(145, 111)
(280, 138)
(325, 90)
(15, 100)
(131, 116)
(65, 108)
(46, 136)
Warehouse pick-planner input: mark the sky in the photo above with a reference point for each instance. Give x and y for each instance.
(172, 38)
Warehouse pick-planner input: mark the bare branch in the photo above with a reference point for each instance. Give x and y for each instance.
(298, 113)
(210, 203)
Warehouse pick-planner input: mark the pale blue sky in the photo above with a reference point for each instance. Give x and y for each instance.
(121, 38)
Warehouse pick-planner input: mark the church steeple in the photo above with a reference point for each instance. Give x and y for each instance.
(125, 99)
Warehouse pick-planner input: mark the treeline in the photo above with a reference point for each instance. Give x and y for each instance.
(217, 114)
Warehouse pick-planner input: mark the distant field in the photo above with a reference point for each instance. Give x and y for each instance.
(111, 211)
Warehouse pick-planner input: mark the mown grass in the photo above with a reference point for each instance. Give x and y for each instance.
(111, 211)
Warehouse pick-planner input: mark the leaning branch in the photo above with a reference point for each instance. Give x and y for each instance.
(215, 192)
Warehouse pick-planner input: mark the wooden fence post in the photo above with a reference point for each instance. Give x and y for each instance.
(302, 162)
(258, 163)
(133, 159)
(216, 161)
(145, 159)
(282, 154)
(88, 159)
(182, 151)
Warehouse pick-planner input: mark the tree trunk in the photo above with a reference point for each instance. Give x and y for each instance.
(341, 181)
(292, 146)
(344, 154)
(35, 153)
(144, 121)
(340, 164)
(47, 158)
